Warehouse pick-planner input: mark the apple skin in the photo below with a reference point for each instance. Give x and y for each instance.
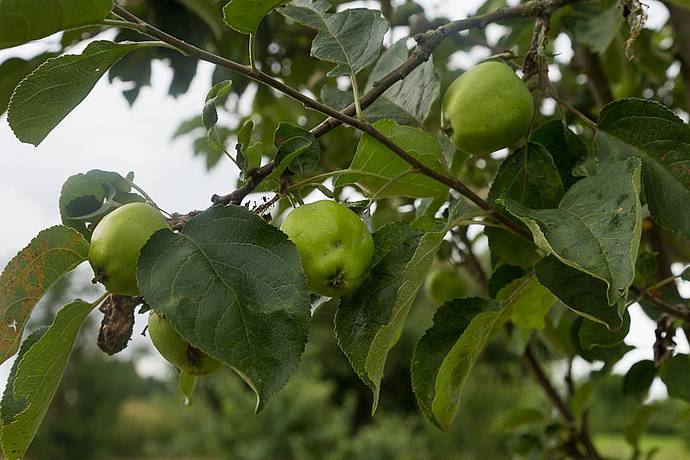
(335, 246)
(443, 284)
(488, 107)
(178, 352)
(116, 242)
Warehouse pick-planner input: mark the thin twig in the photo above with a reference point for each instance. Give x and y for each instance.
(473, 264)
(661, 305)
(567, 105)
(559, 403)
(547, 386)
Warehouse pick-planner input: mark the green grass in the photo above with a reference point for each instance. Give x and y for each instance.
(670, 447)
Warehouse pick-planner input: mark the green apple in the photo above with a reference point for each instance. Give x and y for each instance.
(178, 352)
(116, 242)
(335, 246)
(488, 108)
(444, 283)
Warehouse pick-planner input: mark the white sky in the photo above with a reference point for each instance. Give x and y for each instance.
(105, 133)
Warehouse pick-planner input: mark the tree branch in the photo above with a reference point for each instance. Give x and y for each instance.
(426, 43)
(551, 392)
(429, 41)
(471, 260)
(661, 305)
(343, 117)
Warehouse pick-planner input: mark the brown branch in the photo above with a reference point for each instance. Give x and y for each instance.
(659, 304)
(531, 65)
(545, 383)
(342, 117)
(426, 43)
(471, 260)
(551, 392)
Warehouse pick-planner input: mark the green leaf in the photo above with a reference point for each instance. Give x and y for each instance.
(582, 399)
(414, 95)
(517, 418)
(594, 24)
(639, 379)
(502, 276)
(532, 305)
(583, 294)
(12, 71)
(351, 39)
(529, 177)
(188, 126)
(38, 375)
(380, 109)
(25, 20)
(596, 227)
(245, 15)
(595, 334)
(9, 407)
(29, 275)
(648, 130)
(609, 356)
(216, 96)
(232, 286)
(208, 11)
(374, 157)
(447, 352)
(558, 333)
(212, 146)
(308, 158)
(637, 427)
(248, 154)
(45, 97)
(187, 386)
(368, 322)
(86, 198)
(508, 248)
(676, 375)
(566, 149)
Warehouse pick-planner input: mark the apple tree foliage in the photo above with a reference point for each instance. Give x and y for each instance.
(586, 216)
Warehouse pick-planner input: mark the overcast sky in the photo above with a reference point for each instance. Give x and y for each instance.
(105, 133)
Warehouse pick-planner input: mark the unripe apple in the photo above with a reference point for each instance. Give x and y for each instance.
(488, 107)
(444, 283)
(335, 246)
(178, 352)
(116, 242)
